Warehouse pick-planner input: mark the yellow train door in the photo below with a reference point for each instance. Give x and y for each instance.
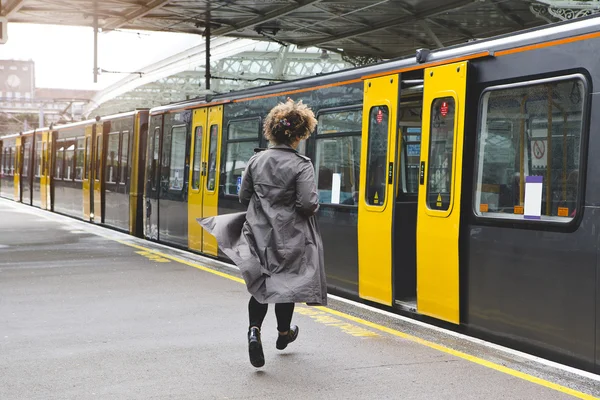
(45, 172)
(196, 179)
(98, 173)
(203, 190)
(18, 169)
(376, 193)
(87, 174)
(438, 217)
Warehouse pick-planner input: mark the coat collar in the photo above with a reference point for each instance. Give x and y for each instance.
(283, 147)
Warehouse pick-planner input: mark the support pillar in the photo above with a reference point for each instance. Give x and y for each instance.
(207, 46)
(96, 41)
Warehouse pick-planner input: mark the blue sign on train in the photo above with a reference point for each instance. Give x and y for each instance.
(239, 184)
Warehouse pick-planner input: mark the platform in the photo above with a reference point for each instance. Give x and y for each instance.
(87, 312)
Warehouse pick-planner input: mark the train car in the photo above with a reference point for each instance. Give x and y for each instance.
(96, 170)
(454, 185)
(24, 171)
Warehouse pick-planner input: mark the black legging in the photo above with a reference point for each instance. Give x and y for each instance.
(283, 312)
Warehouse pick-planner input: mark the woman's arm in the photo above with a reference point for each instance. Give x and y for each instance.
(307, 197)
(247, 189)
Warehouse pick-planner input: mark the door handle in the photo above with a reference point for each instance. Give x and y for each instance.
(390, 173)
(204, 169)
(422, 173)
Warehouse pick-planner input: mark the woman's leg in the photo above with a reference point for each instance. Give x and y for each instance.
(257, 312)
(284, 312)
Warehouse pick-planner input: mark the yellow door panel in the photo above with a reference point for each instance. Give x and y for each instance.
(212, 160)
(17, 175)
(376, 192)
(440, 191)
(98, 174)
(196, 179)
(87, 172)
(44, 178)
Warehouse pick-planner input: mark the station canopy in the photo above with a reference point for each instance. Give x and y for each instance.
(378, 29)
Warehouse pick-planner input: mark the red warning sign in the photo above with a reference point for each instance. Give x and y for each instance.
(539, 149)
(379, 116)
(444, 109)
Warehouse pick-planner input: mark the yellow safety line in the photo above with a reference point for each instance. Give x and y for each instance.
(439, 347)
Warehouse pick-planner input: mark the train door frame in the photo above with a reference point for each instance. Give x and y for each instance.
(45, 178)
(375, 215)
(197, 164)
(438, 226)
(99, 157)
(152, 177)
(18, 168)
(210, 201)
(88, 203)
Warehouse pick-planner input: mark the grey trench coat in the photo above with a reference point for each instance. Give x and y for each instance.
(276, 243)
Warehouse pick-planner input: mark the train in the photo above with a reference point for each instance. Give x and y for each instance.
(456, 186)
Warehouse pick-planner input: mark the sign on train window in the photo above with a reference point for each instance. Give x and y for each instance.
(441, 151)
(377, 156)
(124, 159)
(197, 158)
(528, 150)
(177, 168)
(212, 158)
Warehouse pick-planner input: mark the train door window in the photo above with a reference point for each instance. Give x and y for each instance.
(86, 165)
(26, 152)
(124, 160)
(530, 133)
(177, 165)
(441, 152)
(13, 161)
(212, 157)
(98, 157)
(3, 162)
(79, 159)
(45, 159)
(337, 159)
(410, 159)
(69, 160)
(242, 139)
(112, 158)
(154, 156)
(59, 160)
(197, 158)
(37, 168)
(377, 156)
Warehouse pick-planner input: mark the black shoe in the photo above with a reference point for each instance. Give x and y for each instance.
(284, 340)
(255, 350)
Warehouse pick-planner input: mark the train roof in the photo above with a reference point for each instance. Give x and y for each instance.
(478, 48)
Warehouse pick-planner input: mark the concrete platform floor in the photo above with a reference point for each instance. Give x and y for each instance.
(89, 313)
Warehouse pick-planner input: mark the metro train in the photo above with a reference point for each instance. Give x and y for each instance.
(456, 186)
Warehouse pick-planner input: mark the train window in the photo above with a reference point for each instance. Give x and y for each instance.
(530, 135)
(212, 157)
(239, 151)
(124, 160)
(441, 151)
(45, 158)
(197, 158)
(176, 174)
(79, 158)
(98, 169)
(112, 158)
(410, 159)
(13, 161)
(337, 161)
(26, 152)
(37, 168)
(377, 156)
(243, 129)
(153, 156)
(69, 160)
(347, 121)
(86, 167)
(59, 159)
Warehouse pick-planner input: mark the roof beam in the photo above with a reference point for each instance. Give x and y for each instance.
(13, 7)
(431, 34)
(280, 12)
(502, 9)
(138, 13)
(418, 16)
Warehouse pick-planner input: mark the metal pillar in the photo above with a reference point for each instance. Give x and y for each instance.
(207, 34)
(95, 42)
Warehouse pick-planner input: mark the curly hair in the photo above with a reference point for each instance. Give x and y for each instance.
(288, 122)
